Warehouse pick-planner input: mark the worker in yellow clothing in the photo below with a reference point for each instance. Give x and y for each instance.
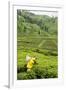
(30, 64)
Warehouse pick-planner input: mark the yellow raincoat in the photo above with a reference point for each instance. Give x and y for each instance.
(30, 63)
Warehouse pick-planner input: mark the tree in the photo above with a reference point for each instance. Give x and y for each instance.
(46, 28)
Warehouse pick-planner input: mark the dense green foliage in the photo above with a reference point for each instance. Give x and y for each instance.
(36, 36)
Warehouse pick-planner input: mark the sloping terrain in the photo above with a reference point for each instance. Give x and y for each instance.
(37, 36)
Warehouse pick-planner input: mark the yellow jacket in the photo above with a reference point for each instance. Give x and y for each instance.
(30, 63)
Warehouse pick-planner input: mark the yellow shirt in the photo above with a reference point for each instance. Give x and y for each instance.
(30, 64)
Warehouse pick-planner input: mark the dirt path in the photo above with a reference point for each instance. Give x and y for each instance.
(42, 42)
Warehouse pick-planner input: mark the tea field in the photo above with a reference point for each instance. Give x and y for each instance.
(37, 37)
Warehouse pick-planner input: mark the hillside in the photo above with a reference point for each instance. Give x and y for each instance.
(36, 31)
(36, 37)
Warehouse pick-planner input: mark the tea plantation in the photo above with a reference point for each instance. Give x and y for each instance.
(37, 37)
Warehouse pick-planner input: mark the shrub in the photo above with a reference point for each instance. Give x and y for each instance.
(45, 72)
(50, 52)
(37, 72)
(51, 73)
(31, 75)
(46, 52)
(26, 75)
(21, 68)
(40, 72)
(54, 53)
(21, 76)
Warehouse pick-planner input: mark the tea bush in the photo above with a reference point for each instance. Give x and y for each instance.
(39, 72)
(46, 52)
(26, 75)
(22, 68)
(21, 76)
(46, 67)
(45, 72)
(52, 73)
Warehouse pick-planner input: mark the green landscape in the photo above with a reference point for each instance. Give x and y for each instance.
(37, 37)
